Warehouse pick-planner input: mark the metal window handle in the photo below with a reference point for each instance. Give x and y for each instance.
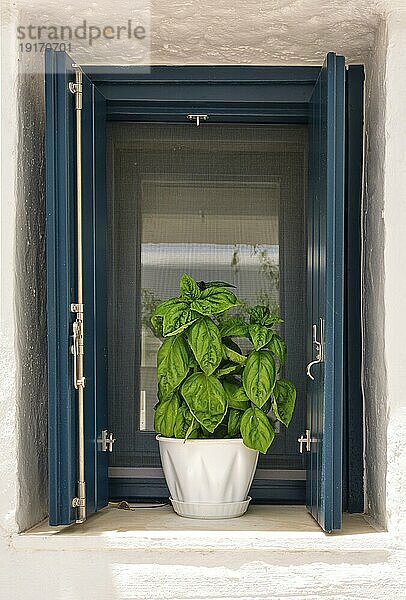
(305, 440)
(319, 346)
(106, 441)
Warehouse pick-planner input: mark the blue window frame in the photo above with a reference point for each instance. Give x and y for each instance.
(260, 95)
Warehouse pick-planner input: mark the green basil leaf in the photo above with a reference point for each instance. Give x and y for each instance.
(273, 320)
(182, 422)
(236, 396)
(193, 430)
(217, 284)
(165, 306)
(204, 434)
(260, 335)
(214, 300)
(258, 314)
(165, 416)
(206, 399)
(226, 369)
(158, 324)
(259, 376)
(278, 347)
(233, 327)
(284, 398)
(230, 343)
(172, 364)
(256, 430)
(230, 388)
(234, 356)
(233, 425)
(261, 315)
(267, 406)
(178, 318)
(189, 288)
(193, 364)
(204, 339)
(157, 318)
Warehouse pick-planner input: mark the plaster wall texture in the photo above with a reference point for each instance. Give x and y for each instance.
(187, 575)
(395, 282)
(8, 358)
(30, 307)
(186, 32)
(219, 32)
(23, 292)
(373, 284)
(383, 286)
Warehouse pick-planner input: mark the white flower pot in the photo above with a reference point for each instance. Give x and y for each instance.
(208, 479)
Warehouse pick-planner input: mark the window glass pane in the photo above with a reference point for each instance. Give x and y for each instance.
(215, 231)
(220, 203)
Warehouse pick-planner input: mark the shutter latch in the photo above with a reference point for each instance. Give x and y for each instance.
(197, 118)
(305, 440)
(77, 347)
(319, 347)
(106, 441)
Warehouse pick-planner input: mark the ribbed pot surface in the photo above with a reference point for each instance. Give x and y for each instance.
(207, 470)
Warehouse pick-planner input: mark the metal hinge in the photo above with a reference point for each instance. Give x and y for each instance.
(106, 441)
(76, 87)
(197, 118)
(79, 502)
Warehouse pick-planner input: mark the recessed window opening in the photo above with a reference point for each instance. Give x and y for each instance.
(220, 202)
(264, 194)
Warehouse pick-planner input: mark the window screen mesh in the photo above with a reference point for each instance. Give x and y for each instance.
(220, 202)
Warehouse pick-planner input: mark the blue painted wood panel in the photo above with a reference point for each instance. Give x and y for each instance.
(229, 94)
(325, 251)
(326, 291)
(61, 280)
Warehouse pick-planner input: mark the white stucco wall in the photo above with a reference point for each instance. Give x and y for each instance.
(395, 282)
(373, 285)
(285, 32)
(8, 357)
(23, 406)
(383, 285)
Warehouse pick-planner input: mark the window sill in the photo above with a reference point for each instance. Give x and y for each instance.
(274, 528)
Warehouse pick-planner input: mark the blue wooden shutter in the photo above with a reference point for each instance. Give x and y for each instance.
(61, 279)
(325, 292)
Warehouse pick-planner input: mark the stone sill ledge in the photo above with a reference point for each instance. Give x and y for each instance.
(272, 528)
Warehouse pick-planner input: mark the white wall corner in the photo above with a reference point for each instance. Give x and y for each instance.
(373, 277)
(395, 258)
(8, 381)
(23, 416)
(384, 284)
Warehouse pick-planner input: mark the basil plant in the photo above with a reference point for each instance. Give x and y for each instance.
(209, 388)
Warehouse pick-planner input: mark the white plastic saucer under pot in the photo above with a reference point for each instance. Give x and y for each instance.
(208, 479)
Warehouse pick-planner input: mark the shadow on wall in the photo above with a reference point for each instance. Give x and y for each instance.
(374, 377)
(30, 300)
